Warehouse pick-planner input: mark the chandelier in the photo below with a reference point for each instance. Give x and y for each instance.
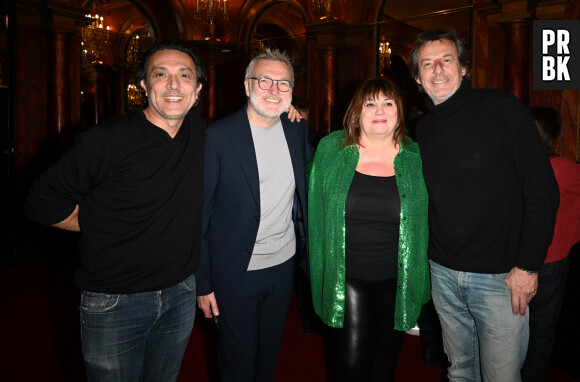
(384, 55)
(135, 97)
(133, 53)
(213, 14)
(95, 39)
(100, 43)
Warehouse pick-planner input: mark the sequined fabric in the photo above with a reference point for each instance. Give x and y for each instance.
(329, 177)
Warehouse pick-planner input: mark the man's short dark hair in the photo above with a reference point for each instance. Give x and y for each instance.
(436, 35)
(180, 46)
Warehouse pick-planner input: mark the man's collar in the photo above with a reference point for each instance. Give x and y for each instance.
(453, 100)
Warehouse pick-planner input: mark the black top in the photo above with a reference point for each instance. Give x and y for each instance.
(140, 201)
(372, 228)
(492, 193)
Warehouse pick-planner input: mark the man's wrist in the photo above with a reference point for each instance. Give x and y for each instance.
(531, 273)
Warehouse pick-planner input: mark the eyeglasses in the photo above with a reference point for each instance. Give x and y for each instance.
(265, 83)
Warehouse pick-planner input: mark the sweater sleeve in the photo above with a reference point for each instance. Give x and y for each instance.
(55, 193)
(522, 143)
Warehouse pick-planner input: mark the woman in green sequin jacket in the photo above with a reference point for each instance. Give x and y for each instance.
(368, 235)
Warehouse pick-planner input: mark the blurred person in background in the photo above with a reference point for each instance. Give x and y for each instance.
(546, 305)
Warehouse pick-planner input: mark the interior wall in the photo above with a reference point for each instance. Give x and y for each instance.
(332, 54)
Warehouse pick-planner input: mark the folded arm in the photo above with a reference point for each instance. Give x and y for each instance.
(71, 223)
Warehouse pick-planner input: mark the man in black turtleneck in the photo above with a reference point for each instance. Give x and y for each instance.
(493, 202)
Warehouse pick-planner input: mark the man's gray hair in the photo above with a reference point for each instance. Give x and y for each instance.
(270, 55)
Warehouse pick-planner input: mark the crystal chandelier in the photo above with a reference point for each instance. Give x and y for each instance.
(95, 39)
(213, 14)
(133, 53)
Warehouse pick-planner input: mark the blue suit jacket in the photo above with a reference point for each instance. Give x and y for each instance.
(231, 214)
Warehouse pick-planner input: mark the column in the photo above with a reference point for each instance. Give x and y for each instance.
(328, 90)
(515, 20)
(328, 39)
(517, 58)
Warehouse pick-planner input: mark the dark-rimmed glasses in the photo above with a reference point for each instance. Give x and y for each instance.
(265, 83)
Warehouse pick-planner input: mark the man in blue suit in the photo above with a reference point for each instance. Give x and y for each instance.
(254, 188)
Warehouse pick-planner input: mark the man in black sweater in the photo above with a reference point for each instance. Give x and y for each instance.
(493, 202)
(133, 187)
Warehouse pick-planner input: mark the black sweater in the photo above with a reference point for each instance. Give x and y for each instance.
(140, 198)
(493, 196)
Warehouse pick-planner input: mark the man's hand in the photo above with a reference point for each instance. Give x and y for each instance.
(208, 305)
(293, 114)
(523, 287)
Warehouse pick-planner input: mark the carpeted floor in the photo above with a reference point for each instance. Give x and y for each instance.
(40, 338)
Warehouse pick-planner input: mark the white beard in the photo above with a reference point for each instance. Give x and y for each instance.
(255, 103)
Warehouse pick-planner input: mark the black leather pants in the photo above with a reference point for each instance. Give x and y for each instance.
(367, 347)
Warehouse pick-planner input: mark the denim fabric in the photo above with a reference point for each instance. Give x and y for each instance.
(544, 312)
(137, 337)
(483, 339)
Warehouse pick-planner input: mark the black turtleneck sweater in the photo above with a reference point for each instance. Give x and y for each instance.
(493, 196)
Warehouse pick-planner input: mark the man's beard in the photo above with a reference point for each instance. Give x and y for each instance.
(255, 103)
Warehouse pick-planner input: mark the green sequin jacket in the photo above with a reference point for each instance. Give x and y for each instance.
(330, 174)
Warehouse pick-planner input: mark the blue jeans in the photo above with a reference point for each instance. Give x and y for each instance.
(139, 336)
(483, 339)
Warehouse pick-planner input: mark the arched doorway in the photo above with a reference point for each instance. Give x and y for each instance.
(280, 25)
